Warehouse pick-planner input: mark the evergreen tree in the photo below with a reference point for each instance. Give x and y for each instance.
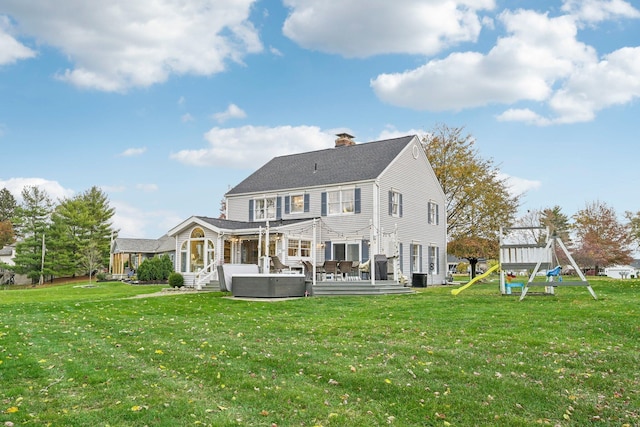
(99, 228)
(31, 222)
(68, 236)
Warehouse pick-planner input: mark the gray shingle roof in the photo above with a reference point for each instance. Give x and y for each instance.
(324, 167)
(147, 246)
(227, 224)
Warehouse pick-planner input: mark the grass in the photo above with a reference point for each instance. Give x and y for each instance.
(74, 356)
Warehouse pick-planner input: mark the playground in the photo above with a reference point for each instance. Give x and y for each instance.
(525, 257)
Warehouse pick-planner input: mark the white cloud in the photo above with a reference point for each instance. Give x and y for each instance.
(275, 51)
(599, 10)
(390, 132)
(11, 50)
(187, 118)
(134, 222)
(250, 146)
(130, 152)
(539, 59)
(113, 188)
(120, 44)
(52, 188)
(147, 188)
(361, 28)
(523, 115)
(519, 186)
(232, 112)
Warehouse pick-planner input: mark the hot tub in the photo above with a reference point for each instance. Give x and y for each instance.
(268, 285)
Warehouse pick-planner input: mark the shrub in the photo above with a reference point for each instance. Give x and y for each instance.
(176, 280)
(156, 268)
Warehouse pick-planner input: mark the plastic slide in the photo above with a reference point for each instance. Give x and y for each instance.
(475, 279)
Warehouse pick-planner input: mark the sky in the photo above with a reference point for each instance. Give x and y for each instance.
(167, 104)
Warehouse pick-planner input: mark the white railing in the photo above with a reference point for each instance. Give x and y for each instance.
(204, 276)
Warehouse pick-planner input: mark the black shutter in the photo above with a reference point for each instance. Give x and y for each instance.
(327, 250)
(323, 202)
(390, 203)
(287, 205)
(278, 207)
(250, 210)
(356, 194)
(306, 202)
(400, 205)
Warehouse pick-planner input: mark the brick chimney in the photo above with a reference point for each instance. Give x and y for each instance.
(344, 140)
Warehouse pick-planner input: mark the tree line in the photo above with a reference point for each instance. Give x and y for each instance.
(64, 239)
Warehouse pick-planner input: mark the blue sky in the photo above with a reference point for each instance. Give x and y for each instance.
(166, 104)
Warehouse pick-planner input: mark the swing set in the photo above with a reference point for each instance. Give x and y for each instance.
(523, 255)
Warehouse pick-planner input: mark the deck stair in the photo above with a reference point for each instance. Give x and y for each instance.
(330, 288)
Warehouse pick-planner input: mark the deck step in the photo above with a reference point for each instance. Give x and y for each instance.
(359, 288)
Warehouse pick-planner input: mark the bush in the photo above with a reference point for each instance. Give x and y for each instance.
(156, 268)
(176, 280)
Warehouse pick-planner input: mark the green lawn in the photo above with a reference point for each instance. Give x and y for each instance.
(73, 356)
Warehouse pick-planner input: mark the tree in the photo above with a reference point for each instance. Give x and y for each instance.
(634, 227)
(8, 205)
(91, 259)
(223, 209)
(473, 249)
(99, 215)
(557, 222)
(78, 224)
(7, 211)
(601, 240)
(31, 221)
(68, 237)
(478, 202)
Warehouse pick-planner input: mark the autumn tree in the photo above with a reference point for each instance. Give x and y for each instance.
(634, 227)
(478, 201)
(601, 240)
(7, 211)
(472, 249)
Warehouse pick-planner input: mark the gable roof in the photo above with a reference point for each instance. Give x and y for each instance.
(147, 246)
(359, 162)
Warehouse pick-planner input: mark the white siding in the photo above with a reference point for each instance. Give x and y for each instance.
(413, 177)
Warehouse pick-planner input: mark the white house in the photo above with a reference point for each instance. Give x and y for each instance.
(621, 272)
(348, 202)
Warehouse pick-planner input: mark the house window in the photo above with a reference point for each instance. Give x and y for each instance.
(299, 248)
(434, 259)
(433, 214)
(264, 209)
(395, 204)
(346, 251)
(297, 203)
(340, 202)
(415, 258)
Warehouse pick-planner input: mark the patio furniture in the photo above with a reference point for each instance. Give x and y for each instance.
(308, 269)
(355, 270)
(277, 265)
(330, 267)
(345, 268)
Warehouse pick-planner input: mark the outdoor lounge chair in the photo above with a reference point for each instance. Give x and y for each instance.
(277, 265)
